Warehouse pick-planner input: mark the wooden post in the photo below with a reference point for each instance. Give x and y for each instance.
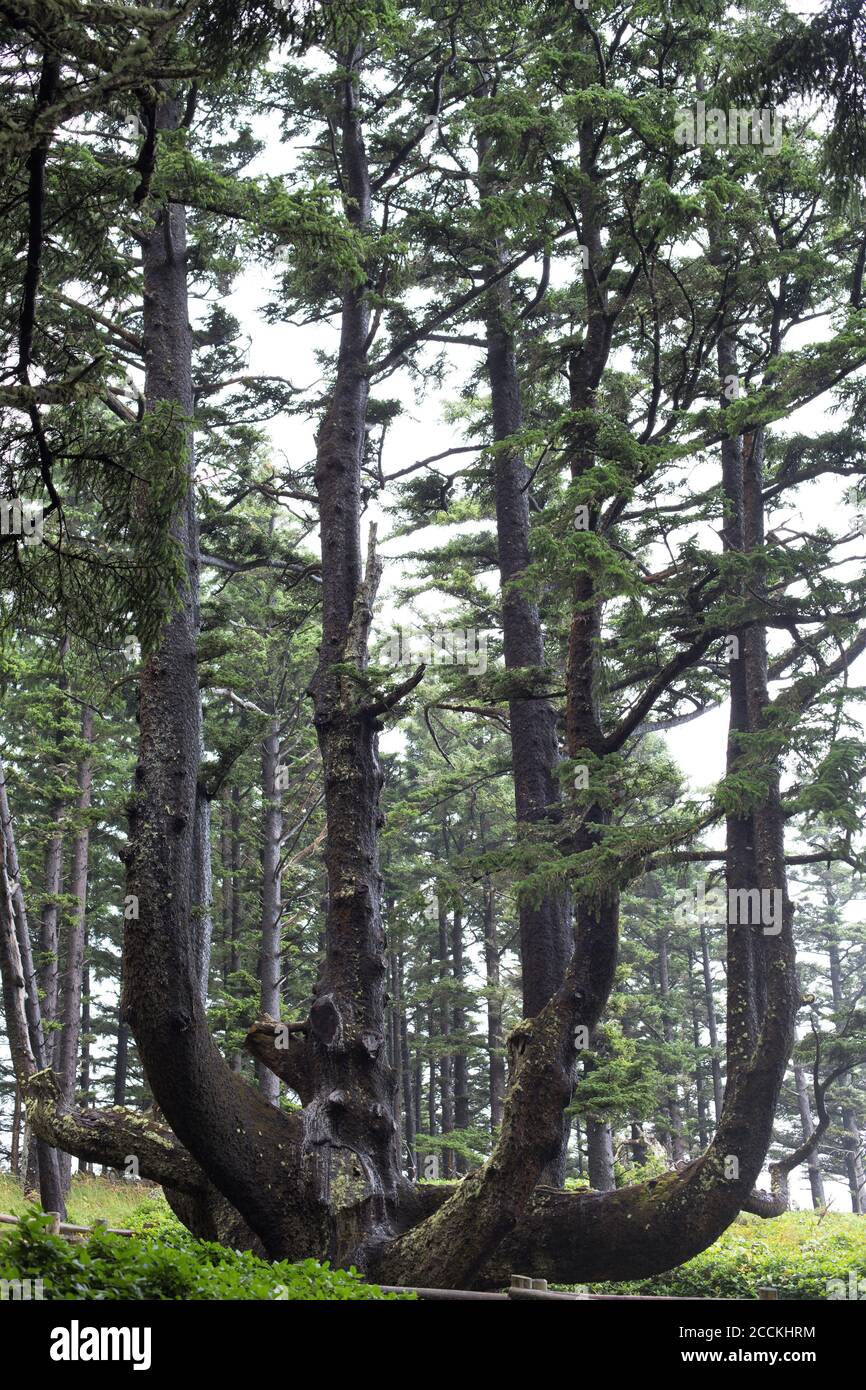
(54, 1227)
(767, 1291)
(523, 1286)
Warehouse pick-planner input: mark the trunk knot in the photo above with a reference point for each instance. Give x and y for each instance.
(326, 1020)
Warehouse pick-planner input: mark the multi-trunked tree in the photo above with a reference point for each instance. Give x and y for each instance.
(327, 1180)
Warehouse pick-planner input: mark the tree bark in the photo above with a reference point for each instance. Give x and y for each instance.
(712, 1026)
(230, 1128)
(458, 1019)
(850, 1125)
(495, 1039)
(546, 940)
(816, 1180)
(599, 1155)
(270, 943)
(73, 976)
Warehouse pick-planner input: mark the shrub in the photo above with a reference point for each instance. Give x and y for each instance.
(170, 1265)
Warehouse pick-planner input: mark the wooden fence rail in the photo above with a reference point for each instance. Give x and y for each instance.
(528, 1290)
(66, 1228)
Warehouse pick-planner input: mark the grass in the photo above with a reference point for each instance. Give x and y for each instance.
(119, 1202)
(801, 1254)
(161, 1261)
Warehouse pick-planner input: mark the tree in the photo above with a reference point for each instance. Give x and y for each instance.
(678, 280)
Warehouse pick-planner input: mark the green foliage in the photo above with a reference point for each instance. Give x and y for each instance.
(172, 1265)
(798, 1254)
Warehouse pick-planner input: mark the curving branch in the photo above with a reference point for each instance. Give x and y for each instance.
(290, 1062)
(111, 1137)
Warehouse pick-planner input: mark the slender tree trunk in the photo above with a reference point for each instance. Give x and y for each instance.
(675, 1126)
(270, 947)
(26, 1047)
(202, 903)
(409, 1113)
(84, 1073)
(419, 1084)
(67, 1064)
(432, 1071)
(84, 1062)
(401, 1079)
(461, 1060)
(15, 1142)
(495, 1041)
(446, 1094)
(700, 1091)
(236, 930)
(816, 1180)
(48, 973)
(850, 1125)
(712, 1026)
(599, 1155)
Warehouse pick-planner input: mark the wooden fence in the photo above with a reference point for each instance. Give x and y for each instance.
(66, 1228)
(527, 1290)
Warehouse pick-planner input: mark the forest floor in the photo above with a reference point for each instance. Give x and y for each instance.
(804, 1254)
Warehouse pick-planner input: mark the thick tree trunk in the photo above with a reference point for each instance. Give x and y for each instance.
(349, 1125)
(546, 940)
(242, 1140)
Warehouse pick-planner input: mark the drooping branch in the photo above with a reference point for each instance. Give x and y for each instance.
(113, 1137)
